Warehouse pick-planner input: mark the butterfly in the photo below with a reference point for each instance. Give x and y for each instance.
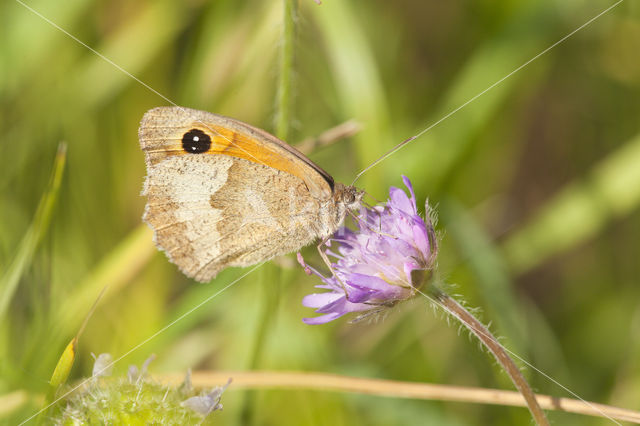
(223, 193)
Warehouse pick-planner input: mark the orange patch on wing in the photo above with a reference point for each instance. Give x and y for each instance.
(228, 142)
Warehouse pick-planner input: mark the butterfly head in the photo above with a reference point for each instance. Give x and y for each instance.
(347, 198)
(352, 197)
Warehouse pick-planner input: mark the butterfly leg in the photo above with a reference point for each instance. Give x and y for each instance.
(326, 260)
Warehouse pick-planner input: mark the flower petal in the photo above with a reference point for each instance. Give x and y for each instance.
(322, 319)
(421, 238)
(399, 200)
(408, 184)
(317, 300)
(367, 282)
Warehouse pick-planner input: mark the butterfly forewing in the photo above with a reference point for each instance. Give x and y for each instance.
(221, 193)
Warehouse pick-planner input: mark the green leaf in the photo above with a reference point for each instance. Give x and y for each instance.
(11, 277)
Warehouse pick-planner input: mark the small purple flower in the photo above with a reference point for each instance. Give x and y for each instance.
(381, 263)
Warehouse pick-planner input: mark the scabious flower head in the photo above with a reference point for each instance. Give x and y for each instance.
(384, 261)
(137, 399)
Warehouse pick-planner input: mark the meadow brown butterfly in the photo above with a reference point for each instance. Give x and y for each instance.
(223, 193)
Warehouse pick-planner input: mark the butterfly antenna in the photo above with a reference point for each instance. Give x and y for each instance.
(390, 152)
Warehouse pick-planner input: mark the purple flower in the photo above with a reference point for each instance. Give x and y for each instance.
(381, 263)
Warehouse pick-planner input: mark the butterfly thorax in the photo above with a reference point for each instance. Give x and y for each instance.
(345, 198)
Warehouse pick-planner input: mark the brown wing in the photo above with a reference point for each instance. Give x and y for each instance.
(219, 208)
(162, 131)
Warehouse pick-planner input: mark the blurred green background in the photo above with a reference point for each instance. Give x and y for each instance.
(537, 186)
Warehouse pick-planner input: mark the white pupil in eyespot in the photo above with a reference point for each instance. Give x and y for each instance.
(196, 138)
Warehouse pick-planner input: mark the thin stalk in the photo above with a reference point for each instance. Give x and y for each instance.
(498, 351)
(295, 381)
(270, 275)
(270, 283)
(287, 43)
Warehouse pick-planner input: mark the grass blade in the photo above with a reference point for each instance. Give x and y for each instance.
(39, 226)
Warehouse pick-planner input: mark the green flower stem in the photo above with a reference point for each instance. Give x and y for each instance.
(498, 351)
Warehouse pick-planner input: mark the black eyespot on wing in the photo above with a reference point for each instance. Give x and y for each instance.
(195, 141)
